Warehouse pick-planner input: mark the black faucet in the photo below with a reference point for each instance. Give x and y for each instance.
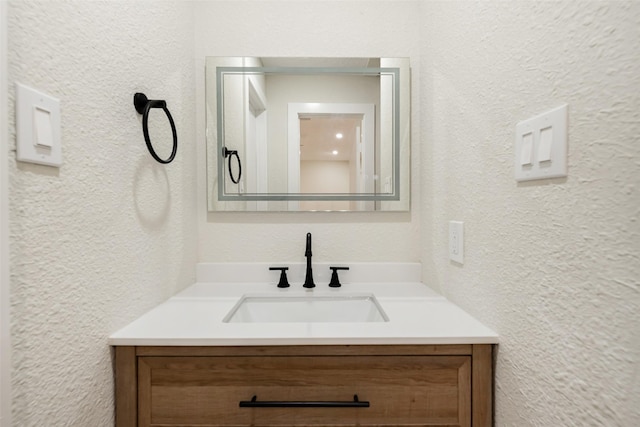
(308, 280)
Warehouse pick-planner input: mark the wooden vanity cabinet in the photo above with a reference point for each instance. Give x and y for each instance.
(361, 385)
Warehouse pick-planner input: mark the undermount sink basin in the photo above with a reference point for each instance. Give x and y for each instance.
(316, 308)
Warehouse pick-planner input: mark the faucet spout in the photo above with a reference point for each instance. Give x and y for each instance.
(308, 280)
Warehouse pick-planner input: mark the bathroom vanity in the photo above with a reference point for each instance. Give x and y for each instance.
(190, 362)
(435, 385)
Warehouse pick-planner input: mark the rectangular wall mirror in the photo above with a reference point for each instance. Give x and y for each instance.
(307, 134)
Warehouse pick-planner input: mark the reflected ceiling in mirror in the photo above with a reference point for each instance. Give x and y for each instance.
(320, 134)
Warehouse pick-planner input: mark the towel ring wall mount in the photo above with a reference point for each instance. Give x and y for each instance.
(143, 106)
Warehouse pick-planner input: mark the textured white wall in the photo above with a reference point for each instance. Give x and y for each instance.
(303, 28)
(111, 233)
(552, 265)
(5, 331)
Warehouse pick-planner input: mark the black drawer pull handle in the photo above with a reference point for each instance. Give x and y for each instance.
(253, 403)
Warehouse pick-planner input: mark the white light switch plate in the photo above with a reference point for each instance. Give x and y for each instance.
(37, 127)
(456, 241)
(541, 146)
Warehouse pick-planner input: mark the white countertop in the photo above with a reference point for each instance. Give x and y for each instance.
(193, 317)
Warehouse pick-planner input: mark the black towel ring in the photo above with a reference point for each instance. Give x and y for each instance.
(143, 105)
(229, 154)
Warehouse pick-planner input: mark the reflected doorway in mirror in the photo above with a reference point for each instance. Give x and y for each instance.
(313, 166)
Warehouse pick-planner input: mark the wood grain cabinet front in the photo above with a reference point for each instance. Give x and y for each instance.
(368, 386)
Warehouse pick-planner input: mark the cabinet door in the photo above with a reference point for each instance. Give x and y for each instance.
(401, 390)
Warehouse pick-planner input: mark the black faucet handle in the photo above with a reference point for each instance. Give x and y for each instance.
(335, 281)
(283, 283)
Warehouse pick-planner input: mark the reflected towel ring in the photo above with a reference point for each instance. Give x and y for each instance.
(143, 105)
(230, 153)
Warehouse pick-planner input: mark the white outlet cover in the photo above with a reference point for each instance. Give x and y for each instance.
(37, 127)
(456, 241)
(541, 146)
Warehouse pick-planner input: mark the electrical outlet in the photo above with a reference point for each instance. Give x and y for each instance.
(456, 241)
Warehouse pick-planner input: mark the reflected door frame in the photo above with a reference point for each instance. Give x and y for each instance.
(296, 109)
(256, 144)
